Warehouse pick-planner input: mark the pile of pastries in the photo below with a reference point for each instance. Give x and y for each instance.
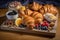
(36, 15)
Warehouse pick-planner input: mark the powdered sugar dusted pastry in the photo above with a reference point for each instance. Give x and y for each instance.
(50, 17)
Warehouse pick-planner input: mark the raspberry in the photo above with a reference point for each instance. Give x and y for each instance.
(36, 25)
(43, 24)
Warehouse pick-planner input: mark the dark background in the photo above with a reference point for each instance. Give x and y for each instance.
(4, 3)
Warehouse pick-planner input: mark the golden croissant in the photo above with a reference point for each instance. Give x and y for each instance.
(50, 9)
(35, 6)
(28, 12)
(29, 21)
(37, 16)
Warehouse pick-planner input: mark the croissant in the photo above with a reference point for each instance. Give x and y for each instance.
(21, 13)
(37, 16)
(50, 9)
(42, 11)
(35, 6)
(40, 6)
(29, 21)
(53, 10)
(28, 12)
(46, 8)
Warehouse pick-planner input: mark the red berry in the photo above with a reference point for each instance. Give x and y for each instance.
(47, 24)
(43, 24)
(44, 21)
(36, 25)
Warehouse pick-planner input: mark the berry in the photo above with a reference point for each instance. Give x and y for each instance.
(44, 28)
(36, 25)
(45, 23)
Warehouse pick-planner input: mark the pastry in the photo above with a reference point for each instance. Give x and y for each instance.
(52, 24)
(50, 17)
(23, 8)
(29, 21)
(47, 8)
(50, 28)
(50, 9)
(14, 5)
(35, 6)
(21, 13)
(40, 6)
(28, 12)
(37, 16)
(53, 10)
(42, 11)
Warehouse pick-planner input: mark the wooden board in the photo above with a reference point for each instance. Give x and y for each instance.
(34, 31)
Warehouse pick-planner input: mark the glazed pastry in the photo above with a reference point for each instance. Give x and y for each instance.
(47, 8)
(37, 16)
(50, 17)
(50, 9)
(40, 6)
(29, 21)
(21, 13)
(42, 11)
(53, 10)
(35, 6)
(28, 12)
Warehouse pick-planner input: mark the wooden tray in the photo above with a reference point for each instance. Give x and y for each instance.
(34, 31)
